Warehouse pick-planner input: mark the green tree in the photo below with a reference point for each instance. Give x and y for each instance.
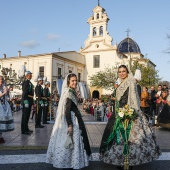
(150, 76)
(104, 79)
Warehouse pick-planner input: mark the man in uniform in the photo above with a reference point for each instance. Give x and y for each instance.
(27, 101)
(46, 101)
(39, 102)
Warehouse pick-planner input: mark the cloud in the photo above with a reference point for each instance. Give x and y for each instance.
(66, 44)
(53, 37)
(34, 31)
(30, 44)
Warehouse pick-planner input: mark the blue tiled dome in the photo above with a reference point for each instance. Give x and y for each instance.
(128, 45)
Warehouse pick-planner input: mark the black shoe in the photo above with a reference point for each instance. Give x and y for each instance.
(2, 140)
(120, 167)
(39, 126)
(45, 123)
(30, 130)
(26, 133)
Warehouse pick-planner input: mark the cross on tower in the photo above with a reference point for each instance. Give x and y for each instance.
(98, 2)
(128, 31)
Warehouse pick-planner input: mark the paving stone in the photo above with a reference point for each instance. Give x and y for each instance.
(40, 137)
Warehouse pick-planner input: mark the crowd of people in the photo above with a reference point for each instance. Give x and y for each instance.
(101, 110)
(152, 102)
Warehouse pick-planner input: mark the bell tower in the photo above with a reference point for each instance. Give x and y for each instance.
(98, 27)
(98, 22)
(98, 50)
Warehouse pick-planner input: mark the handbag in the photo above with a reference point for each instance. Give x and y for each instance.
(69, 142)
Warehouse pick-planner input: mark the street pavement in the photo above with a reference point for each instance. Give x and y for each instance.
(28, 151)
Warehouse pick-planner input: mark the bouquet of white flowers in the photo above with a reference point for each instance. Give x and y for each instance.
(126, 114)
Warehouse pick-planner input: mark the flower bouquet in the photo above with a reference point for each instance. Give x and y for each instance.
(122, 128)
(126, 114)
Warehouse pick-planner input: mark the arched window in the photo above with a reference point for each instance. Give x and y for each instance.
(97, 15)
(101, 31)
(94, 31)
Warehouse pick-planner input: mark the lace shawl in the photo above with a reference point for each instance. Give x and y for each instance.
(133, 97)
(60, 121)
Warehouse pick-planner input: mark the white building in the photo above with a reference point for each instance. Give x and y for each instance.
(98, 53)
(51, 65)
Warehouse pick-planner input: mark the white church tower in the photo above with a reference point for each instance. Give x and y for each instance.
(98, 28)
(98, 50)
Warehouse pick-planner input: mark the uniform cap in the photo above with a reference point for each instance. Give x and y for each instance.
(27, 72)
(47, 82)
(40, 78)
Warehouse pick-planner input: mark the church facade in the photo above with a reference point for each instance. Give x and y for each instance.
(100, 53)
(97, 54)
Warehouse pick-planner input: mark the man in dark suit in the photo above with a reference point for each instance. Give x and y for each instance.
(27, 101)
(39, 102)
(46, 101)
(153, 101)
(165, 88)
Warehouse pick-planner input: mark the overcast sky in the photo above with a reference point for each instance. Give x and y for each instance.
(44, 26)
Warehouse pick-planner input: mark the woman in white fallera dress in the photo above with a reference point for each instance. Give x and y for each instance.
(68, 123)
(6, 118)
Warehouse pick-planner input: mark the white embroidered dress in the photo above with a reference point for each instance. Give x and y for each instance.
(6, 118)
(57, 154)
